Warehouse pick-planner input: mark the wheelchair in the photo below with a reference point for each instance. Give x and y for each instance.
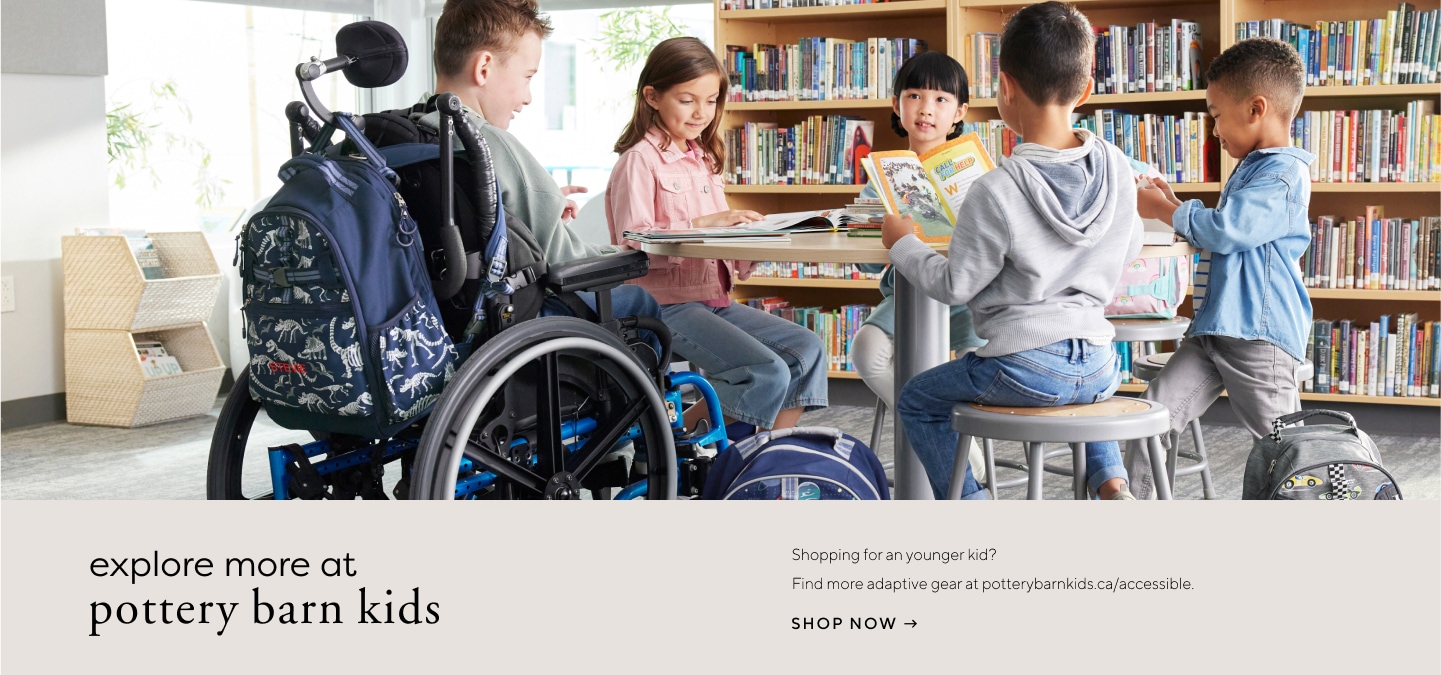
(547, 408)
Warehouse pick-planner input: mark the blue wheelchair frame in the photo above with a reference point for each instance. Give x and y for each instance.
(573, 434)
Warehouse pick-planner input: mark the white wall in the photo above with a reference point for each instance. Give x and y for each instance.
(52, 180)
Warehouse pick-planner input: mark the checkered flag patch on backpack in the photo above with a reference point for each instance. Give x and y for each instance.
(1340, 486)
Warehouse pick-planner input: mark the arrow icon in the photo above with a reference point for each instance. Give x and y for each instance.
(911, 623)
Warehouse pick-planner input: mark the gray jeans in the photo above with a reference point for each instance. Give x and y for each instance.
(1259, 378)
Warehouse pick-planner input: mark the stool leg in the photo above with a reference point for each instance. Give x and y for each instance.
(1158, 467)
(1207, 491)
(1172, 456)
(958, 474)
(1078, 469)
(988, 450)
(1036, 463)
(878, 425)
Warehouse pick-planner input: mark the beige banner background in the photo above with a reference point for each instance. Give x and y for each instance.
(707, 587)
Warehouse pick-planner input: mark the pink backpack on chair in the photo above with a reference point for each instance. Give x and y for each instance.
(1151, 288)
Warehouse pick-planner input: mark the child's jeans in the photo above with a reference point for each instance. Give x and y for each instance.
(1061, 373)
(759, 363)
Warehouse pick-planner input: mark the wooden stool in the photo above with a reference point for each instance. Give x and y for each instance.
(1116, 419)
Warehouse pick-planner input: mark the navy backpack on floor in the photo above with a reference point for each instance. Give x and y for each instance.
(797, 463)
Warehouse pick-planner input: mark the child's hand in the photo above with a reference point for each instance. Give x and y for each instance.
(1159, 182)
(894, 228)
(727, 218)
(1152, 202)
(571, 210)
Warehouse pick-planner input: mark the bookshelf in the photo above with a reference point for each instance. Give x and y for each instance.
(945, 24)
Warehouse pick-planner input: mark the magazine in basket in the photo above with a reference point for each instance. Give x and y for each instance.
(930, 187)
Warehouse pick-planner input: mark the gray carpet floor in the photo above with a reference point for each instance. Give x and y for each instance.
(168, 461)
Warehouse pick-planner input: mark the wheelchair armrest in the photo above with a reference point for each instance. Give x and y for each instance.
(598, 273)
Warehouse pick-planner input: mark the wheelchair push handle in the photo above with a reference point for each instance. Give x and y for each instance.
(452, 277)
(303, 128)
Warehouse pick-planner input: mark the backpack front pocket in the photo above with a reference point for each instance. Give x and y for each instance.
(307, 359)
(416, 360)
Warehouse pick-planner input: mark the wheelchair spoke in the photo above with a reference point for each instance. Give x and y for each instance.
(601, 442)
(491, 461)
(550, 450)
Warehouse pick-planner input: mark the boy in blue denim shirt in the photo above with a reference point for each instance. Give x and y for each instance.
(1250, 328)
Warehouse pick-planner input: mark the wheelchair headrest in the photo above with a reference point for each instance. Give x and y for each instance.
(377, 51)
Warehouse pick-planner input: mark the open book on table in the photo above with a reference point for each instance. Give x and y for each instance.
(930, 187)
(689, 235)
(828, 220)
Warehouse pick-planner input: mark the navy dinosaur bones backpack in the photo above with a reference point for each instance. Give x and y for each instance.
(797, 463)
(340, 317)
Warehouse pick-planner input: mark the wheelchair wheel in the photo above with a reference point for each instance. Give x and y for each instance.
(502, 422)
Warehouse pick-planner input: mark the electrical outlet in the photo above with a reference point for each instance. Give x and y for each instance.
(7, 294)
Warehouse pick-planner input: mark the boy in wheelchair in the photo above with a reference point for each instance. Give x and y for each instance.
(539, 406)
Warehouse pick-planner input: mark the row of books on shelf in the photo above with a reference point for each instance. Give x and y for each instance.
(811, 270)
(817, 69)
(1128, 352)
(821, 150)
(140, 246)
(1401, 48)
(781, 4)
(1374, 252)
(1179, 147)
(154, 360)
(1393, 356)
(1147, 57)
(835, 327)
(1372, 146)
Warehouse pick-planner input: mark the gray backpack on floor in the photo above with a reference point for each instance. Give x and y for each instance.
(1317, 461)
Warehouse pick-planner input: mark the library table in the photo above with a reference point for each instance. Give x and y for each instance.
(922, 325)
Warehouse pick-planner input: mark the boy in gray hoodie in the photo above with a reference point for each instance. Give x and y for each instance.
(1038, 248)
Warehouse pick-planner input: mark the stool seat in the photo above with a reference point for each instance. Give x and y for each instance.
(1150, 330)
(1115, 419)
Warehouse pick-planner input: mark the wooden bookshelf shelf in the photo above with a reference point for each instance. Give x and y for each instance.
(1138, 387)
(1376, 187)
(843, 375)
(794, 189)
(1107, 100)
(888, 10)
(829, 104)
(778, 282)
(1375, 90)
(1367, 294)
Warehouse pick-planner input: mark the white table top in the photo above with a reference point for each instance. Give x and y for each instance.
(830, 247)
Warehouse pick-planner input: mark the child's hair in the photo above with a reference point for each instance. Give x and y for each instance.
(672, 62)
(468, 26)
(931, 70)
(1264, 66)
(1048, 49)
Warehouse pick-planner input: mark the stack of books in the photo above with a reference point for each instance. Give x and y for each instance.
(817, 69)
(1372, 146)
(1401, 48)
(1395, 356)
(1374, 252)
(863, 217)
(821, 150)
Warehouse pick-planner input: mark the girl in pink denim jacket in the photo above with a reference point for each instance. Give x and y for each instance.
(767, 370)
